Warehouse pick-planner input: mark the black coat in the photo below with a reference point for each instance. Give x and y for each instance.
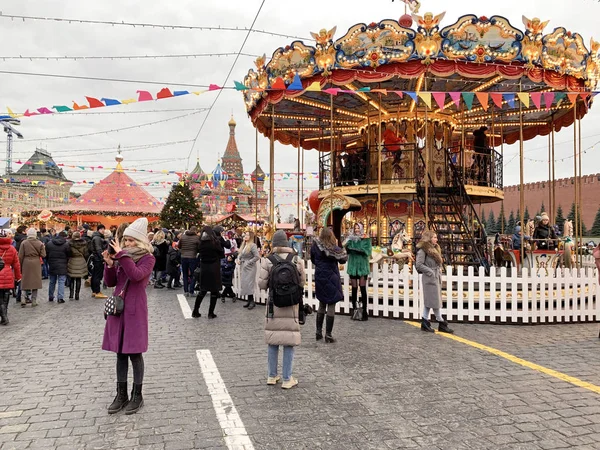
(173, 261)
(328, 283)
(57, 255)
(161, 255)
(227, 270)
(211, 254)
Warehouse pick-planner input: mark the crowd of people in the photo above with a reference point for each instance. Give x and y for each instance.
(129, 259)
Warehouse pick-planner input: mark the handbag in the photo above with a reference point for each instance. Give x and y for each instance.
(358, 312)
(114, 305)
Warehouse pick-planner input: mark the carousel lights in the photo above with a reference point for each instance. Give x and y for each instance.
(417, 90)
(307, 118)
(325, 138)
(319, 105)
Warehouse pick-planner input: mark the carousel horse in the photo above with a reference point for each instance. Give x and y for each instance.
(396, 251)
(568, 229)
(568, 255)
(530, 228)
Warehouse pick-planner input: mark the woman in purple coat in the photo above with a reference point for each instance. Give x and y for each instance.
(128, 271)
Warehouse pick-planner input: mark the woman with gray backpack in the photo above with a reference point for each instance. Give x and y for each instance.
(283, 274)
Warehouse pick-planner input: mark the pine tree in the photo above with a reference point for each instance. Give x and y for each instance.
(510, 226)
(571, 215)
(181, 209)
(560, 220)
(526, 216)
(543, 208)
(492, 226)
(483, 220)
(501, 225)
(595, 231)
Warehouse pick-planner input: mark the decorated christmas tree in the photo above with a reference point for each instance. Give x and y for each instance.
(181, 209)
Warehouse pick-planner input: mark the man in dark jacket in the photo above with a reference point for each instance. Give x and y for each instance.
(97, 261)
(189, 244)
(57, 254)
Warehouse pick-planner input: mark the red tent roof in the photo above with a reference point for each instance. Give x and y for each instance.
(116, 193)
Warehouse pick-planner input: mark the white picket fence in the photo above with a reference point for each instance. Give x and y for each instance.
(519, 298)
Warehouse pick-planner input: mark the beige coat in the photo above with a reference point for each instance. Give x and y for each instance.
(30, 252)
(283, 328)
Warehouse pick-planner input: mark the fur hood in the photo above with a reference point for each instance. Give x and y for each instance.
(433, 251)
(334, 252)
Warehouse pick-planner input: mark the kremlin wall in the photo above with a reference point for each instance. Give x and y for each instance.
(538, 193)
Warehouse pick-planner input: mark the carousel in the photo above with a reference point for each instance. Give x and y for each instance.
(410, 118)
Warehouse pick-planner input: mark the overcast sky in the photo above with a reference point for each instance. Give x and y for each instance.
(49, 38)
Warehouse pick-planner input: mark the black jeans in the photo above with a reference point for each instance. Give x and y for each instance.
(137, 361)
(97, 274)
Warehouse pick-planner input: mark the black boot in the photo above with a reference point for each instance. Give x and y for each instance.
(320, 318)
(77, 288)
(364, 307)
(444, 328)
(170, 283)
(328, 329)
(251, 303)
(158, 284)
(136, 402)
(211, 307)
(353, 296)
(120, 400)
(71, 289)
(4, 308)
(199, 298)
(426, 326)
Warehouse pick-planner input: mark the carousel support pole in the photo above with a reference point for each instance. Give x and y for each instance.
(550, 178)
(302, 192)
(298, 177)
(521, 177)
(331, 159)
(426, 169)
(502, 155)
(576, 184)
(553, 185)
(491, 165)
(256, 179)
(579, 254)
(272, 169)
(379, 148)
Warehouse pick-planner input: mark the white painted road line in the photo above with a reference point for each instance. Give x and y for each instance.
(185, 306)
(235, 435)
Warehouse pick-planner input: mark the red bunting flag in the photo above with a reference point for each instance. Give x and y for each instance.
(164, 93)
(214, 87)
(497, 99)
(278, 84)
(94, 102)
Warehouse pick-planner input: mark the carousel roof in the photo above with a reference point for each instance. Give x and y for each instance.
(385, 68)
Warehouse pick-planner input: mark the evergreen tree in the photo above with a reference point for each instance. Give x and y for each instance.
(560, 220)
(595, 231)
(483, 220)
(181, 209)
(501, 226)
(543, 208)
(510, 226)
(584, 230)
(526, 216)
(571, 215)
(492, 226)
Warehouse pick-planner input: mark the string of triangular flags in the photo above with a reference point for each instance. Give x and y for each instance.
(427, 97)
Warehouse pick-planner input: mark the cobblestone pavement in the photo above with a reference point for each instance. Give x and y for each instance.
(383, 385)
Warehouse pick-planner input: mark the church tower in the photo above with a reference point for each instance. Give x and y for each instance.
(232, 161)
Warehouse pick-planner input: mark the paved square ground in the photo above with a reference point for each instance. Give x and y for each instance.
(383, 385)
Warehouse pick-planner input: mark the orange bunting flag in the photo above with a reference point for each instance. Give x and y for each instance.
(497, 99)
(572, 97)
(278, 84)
(440, 99)
(77, 107)
(483, 99)
(382, 91)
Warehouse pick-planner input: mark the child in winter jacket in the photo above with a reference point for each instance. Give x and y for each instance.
(173, 265)
(227, 270)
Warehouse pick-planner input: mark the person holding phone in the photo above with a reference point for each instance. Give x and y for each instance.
(128, 271)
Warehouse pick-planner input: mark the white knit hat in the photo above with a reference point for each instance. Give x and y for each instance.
(32, 232)
(137, 230)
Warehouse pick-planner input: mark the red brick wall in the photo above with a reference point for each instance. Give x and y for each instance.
(536, 193)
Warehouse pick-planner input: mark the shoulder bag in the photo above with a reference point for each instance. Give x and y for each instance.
(114, 305)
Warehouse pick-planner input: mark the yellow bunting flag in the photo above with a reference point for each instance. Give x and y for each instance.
(12, 114)
(315, 86)
(128, 101)
(426, 97)
(524, 98)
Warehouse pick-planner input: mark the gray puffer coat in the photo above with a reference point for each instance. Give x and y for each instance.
(283, 328)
